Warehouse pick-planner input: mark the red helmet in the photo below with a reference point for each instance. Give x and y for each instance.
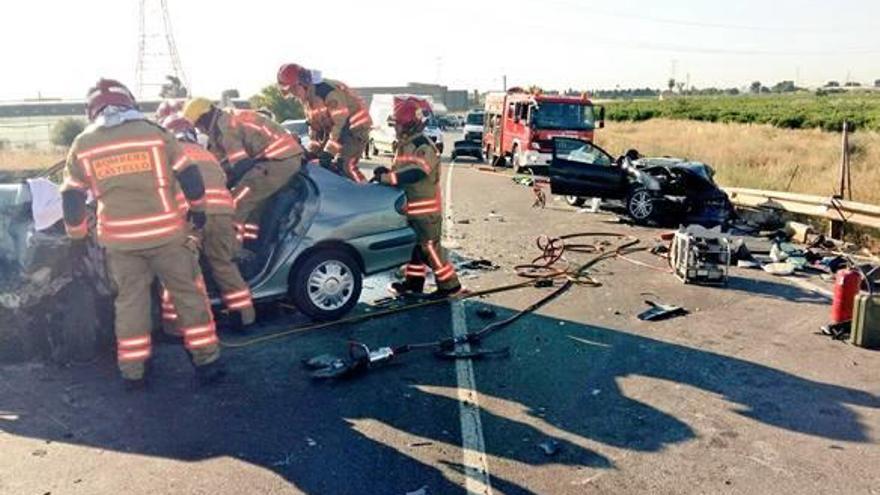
(180, 127)
(292, 74)
(168, 108)
(411, 112)
(108, 92)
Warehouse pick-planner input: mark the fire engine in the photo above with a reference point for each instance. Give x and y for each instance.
(519, 126)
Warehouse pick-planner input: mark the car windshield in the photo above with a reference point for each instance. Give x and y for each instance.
(475, 119)
(581, 151)
(573, 116)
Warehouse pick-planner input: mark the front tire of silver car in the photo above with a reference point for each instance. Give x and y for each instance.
(327, 284)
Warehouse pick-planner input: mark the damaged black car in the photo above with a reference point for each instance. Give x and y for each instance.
(654, 191)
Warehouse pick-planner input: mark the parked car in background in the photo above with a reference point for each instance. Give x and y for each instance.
(383, 139)
(471, 143)
(655, 191)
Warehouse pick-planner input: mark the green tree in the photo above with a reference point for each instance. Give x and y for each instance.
(755, 87)
(66, 130)
(283, 108)
(784, 87)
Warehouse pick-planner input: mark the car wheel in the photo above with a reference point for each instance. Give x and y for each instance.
(642, 206)
(327, 284)
(575, 201)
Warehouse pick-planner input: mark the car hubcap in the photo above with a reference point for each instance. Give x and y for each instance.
(640, 205)
(331, 285)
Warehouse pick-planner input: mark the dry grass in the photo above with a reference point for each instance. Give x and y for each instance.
(37, 159)
(757, 156)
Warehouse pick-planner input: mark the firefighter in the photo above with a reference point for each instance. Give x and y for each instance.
(219, 235)
(416, 170)
(168, 108)
(260, 157)
(339, 122)
(133, 168)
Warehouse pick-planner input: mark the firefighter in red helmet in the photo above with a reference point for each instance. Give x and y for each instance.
(133, 169)
(416, 170)
(219, 244)
(339, 122)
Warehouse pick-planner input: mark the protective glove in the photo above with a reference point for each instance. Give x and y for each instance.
(325, 159)
(378, 172)
(309, 156)
(197, 219)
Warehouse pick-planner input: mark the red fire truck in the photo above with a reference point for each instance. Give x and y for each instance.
(519, 126)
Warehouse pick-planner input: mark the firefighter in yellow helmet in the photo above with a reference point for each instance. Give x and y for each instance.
(260, 156)
(133, 169)
(416, 170)
(219, 244)
(339, 122)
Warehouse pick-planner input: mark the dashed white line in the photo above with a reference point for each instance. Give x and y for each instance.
(476, 465)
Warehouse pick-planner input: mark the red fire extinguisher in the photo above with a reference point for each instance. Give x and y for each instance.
(846, 288)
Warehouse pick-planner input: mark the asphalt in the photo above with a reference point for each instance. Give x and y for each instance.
(739, 396)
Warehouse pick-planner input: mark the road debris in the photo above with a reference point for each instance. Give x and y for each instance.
(550, 447)
(421, 491)
(780, 269)
(660, 311)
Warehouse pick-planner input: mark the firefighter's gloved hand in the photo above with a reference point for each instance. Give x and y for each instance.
(309, 156)
(198, 219)
(325, 159)
(378, 172)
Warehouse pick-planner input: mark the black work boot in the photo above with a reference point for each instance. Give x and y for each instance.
(138, 384)
(211, 373)
(410, 286)
(131, 385)
(456, 291)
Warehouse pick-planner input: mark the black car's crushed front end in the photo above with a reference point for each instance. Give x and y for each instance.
(686, 192)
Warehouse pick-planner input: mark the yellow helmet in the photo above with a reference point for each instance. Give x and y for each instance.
(196, 108)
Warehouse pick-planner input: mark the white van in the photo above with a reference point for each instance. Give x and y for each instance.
(382, 135)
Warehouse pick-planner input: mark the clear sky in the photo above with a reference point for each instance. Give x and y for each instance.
(58, 48)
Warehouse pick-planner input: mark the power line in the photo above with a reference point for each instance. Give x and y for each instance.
(592, 10)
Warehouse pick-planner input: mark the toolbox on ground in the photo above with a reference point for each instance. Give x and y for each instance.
(700, 259)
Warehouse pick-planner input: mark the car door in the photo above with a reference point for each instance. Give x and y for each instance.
(580, 168)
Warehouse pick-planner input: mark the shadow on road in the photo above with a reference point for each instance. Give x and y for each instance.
(774, 290)
(370, 435)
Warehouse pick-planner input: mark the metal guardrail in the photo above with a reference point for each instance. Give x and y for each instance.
(833, 209)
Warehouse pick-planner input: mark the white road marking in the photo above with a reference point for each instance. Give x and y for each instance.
(476, 465)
